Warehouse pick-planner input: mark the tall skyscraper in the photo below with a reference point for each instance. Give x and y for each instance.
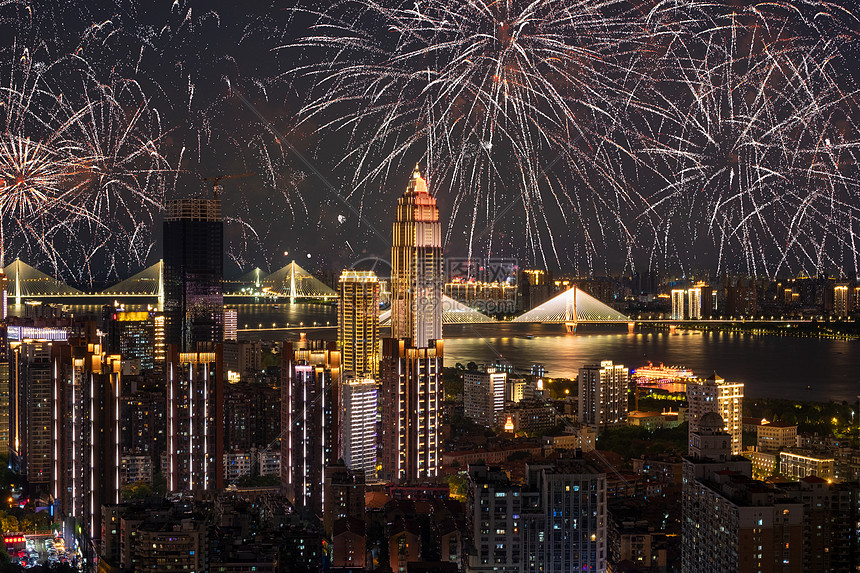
(195, 420)
(714, 394)
(358, 323)
(603, 395)
(193, 272)
(416, 266)
(310, 412)
(411, 398)
(360, 398)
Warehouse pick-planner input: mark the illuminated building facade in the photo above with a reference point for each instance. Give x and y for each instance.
(136, 336)
(843, 299)
(195, 420)
(360, 399)
(603, 395)
(231, 324)
(693, 303)
(193, 273)
(714, 394)
(358, 323)
(4, 294)
(411, 399)
(34, 366)
(87, 438)
(484, 395)
(310, 412)
(797, 464)
(416, 266)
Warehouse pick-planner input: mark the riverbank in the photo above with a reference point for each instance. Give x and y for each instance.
(834, 330)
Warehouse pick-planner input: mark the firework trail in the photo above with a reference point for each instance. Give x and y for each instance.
(752, 131)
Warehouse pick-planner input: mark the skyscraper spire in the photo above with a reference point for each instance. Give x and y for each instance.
(416, 261)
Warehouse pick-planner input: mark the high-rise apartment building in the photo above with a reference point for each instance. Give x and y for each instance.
(843, 299)
(564, 517)
(358, 323)
(714, 394)
(484, 395)
(495, 519)
(231, 324)
(360, 401)
(729, 521)
(193, 273)
(692, 303)
(4, 294)
(87, 438)
(416, 266)
(556, 521)
(195, 420)
(34, 368)
(603, 395)
(344, 495)
(411, 399)
(310, 420)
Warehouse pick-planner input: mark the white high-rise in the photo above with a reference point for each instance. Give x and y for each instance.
(714, 394)
(603, 395)
(484, 395)
(359, 398)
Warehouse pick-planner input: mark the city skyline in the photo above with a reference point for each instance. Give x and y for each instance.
(429, 286)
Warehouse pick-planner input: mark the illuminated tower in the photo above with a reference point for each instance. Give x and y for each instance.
(358, 323)
(416, 266)
(411, 398)
(310, 389)
(195, 420)
(193, 272)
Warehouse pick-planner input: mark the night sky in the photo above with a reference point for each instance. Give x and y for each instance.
(618, 157)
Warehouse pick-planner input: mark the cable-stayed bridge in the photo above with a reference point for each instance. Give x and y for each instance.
(291, 282)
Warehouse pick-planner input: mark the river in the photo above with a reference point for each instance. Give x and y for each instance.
(769, 366)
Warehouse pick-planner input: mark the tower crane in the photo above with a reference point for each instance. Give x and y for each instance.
(217, 180)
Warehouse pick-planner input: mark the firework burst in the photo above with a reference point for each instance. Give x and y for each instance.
(504, 101)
